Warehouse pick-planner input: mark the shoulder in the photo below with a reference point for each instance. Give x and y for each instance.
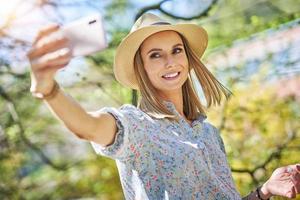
(131, 128)
(209, 127)
(130, 109)
(134, 112)
(215, 134)
(212, 130)
(124, 110)
(129, 114)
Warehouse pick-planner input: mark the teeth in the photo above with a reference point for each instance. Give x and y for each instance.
(171, 75)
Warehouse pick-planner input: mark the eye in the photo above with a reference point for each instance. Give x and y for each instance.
(155, 55)
(177, 50)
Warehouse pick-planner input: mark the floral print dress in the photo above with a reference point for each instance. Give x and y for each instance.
(161, 159)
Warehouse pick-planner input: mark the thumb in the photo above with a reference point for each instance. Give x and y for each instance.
(291, 194)
(298, 167)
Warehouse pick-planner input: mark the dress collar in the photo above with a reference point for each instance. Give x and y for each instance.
(171, 107)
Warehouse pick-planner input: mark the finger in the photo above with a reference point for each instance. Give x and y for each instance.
(54, 66)
(293, 169)
(46, 30)
(296, 182)
(297, 189)
(59, 63)
(288, 170)
(48, 44)
(52, 59)
(298, 167)
(291, 194)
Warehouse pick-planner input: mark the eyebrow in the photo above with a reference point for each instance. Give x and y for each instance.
(156, 49)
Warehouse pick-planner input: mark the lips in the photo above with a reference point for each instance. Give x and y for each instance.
(171, 76)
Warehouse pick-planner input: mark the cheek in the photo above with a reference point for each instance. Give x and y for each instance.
(152, 75)
(153, 69)
(182, 59)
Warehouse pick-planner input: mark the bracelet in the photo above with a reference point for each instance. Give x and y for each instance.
(50, 95)
(258, 195)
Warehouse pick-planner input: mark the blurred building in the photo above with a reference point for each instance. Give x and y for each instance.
(274, 54)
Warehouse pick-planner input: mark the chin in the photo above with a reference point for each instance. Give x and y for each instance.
(169, 88)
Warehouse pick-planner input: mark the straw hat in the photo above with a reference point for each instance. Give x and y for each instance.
(145, 26)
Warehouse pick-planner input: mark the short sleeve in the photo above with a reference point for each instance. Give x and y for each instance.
(127, 117)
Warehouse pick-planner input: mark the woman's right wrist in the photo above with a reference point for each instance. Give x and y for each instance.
(49, 95)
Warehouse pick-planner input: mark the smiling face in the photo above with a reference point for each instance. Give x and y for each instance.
(165, 61)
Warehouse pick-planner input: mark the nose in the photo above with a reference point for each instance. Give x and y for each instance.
(169, 62)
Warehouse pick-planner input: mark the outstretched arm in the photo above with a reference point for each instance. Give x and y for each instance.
(93, 126)
(49, 53)
(285, 182)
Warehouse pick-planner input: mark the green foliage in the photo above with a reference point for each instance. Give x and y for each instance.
(256, 125)
(238, 21)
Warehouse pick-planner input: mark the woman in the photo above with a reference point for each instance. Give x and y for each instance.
(163, 148)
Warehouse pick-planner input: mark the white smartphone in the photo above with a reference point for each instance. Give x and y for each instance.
(86, 35)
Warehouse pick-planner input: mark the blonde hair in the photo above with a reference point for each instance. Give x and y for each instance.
(151, 103)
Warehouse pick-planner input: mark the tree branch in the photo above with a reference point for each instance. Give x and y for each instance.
(158, 6)
(274, 155)
(292, 134)
(15, 116)
(99, 84)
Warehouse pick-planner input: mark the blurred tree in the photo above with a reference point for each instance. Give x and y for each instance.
(261, 133)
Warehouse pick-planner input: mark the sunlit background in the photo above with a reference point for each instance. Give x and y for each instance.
(253, 49)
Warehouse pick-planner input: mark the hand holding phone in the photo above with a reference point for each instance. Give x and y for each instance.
(54, 47)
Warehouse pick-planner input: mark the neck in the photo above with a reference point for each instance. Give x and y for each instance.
(176, 98)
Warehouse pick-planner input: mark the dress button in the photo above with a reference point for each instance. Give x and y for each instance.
(201, 145)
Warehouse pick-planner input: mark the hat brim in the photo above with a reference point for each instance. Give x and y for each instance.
(123, 63)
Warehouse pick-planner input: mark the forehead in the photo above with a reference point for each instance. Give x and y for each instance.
(160, 40)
